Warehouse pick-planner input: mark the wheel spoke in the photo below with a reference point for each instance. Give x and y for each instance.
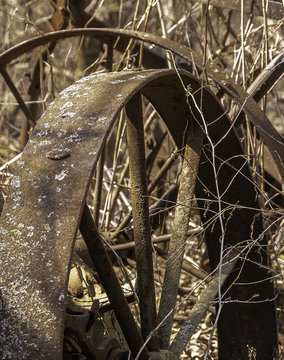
(98, 188)
(141, 223)
(18, 96)
(65, 146)
(110, 283)
(152, 185)
(180, 232)
(199, 310)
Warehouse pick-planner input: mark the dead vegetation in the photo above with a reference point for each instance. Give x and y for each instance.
(189, 172)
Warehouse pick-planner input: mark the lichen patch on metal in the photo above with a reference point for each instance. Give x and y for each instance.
(42, 212)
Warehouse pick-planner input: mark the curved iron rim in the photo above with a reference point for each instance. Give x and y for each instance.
(36, 180)
(246, 103)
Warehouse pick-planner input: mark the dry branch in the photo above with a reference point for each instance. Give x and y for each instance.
(204, 302)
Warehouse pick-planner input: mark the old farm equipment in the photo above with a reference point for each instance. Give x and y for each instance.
(48, 204)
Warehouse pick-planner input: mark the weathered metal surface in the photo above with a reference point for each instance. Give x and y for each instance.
(91, 347)
(111, 284)
(141, 223)
(271, 137)
(193, 147)
(152, 58)
(42, 213)
(264, 82)
(267, 78)
(240, 214)
(103, 34)
(199, 310)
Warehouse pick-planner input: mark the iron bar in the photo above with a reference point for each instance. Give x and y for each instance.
(141, 222)
(17, 95)
(110, 283)
(202, 305)
(98, 187)
(177, 244)
(151, 187)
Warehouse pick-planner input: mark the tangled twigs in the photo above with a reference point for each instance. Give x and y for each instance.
(205, 300)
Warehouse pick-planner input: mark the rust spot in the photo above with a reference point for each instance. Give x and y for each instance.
(58, 154)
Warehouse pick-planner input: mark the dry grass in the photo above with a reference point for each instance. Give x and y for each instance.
(240, 44)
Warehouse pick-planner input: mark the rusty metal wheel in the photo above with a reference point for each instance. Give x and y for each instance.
(247, 102)
(47, 205)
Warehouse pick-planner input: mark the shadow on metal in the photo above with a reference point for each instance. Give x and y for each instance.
(43, 211)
